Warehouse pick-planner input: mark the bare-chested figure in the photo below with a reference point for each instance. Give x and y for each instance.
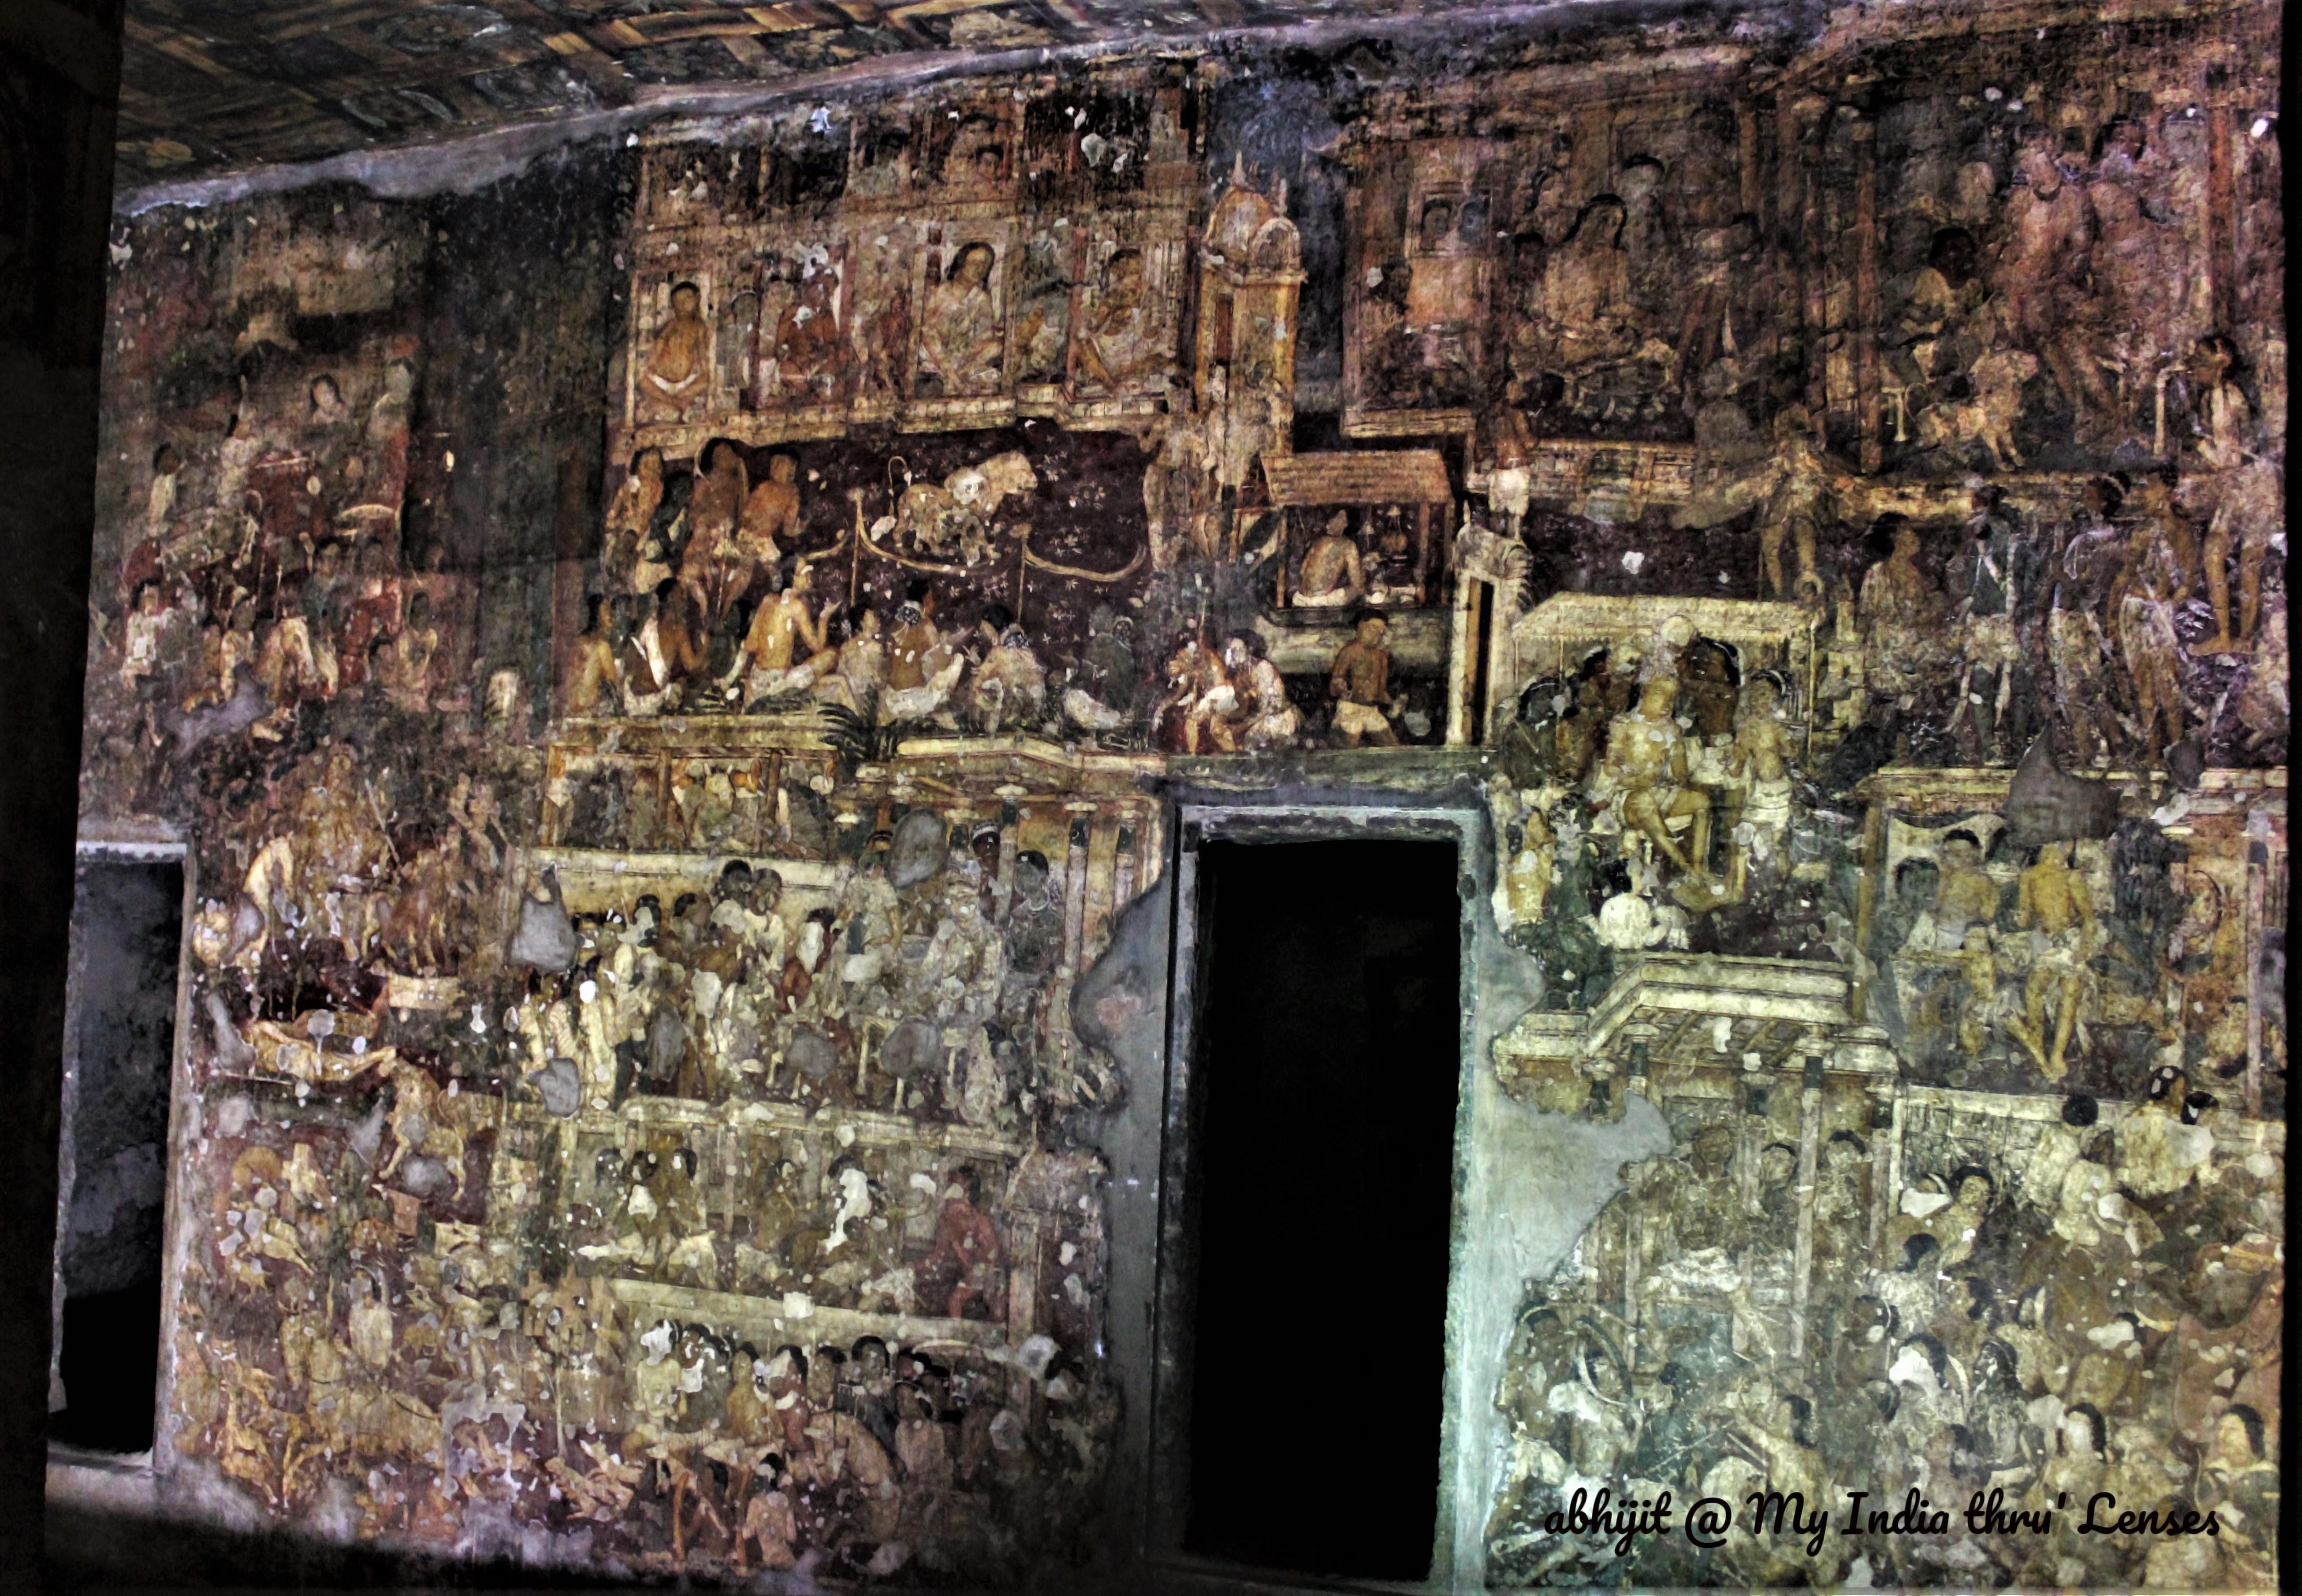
(1964, 894)
(1249, 708)
(1794, 511)
(1791, 485)
(1360, 685)
(770, 513)
(2161, 559)
(676, 375)
(810, 347)
(1761, 761)
(2045, 305)
(966, 1237)
(2054, 905)
(2139, 262)
(594, 683)
(784, 650)
(2078, 645)
(1179, 488)
(630, 519)
(1009, 688)
(1335, 574)
(1646, 763)
(2241, 486)
(854, 682)
(1900, 606)
(713, 510)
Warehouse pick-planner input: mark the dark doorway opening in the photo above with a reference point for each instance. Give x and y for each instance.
(1322, 1162)
(127, 925)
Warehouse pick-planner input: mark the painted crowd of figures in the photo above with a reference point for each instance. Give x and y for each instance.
(636, 1110)
(2090, 1304)
(435, 1196)
(351, 1357)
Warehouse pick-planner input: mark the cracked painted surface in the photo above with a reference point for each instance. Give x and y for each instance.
(676, 665)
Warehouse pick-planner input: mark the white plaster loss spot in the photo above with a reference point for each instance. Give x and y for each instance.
(1919, 1203)
(1068, 1252)
(449, 459)
(1722, 1030)
(820, 122)
(2118, 1332)
(846, 1135)
(1910, 1368)
(921, 1180)
(1632, 561)
(2261, 1165)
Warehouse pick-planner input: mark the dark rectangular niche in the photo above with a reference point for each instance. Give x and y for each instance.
(1322, 1162)
(127, 926)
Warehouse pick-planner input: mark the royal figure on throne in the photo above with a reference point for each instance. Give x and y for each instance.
(1646, 777)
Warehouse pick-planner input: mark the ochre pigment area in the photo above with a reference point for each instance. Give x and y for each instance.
(668, 670)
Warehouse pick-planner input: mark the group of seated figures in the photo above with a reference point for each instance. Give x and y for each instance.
(928, 999)
(659, 653)
(706, 607)
(750, 1227)
(1654, 780)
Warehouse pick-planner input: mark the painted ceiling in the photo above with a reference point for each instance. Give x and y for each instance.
(212, 86)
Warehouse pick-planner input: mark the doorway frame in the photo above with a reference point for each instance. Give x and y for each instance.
(1174, 1269)
(175, 1145)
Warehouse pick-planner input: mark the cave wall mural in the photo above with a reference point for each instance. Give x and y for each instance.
(669, 670)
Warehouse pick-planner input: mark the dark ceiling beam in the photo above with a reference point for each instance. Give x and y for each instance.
(461, 159)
